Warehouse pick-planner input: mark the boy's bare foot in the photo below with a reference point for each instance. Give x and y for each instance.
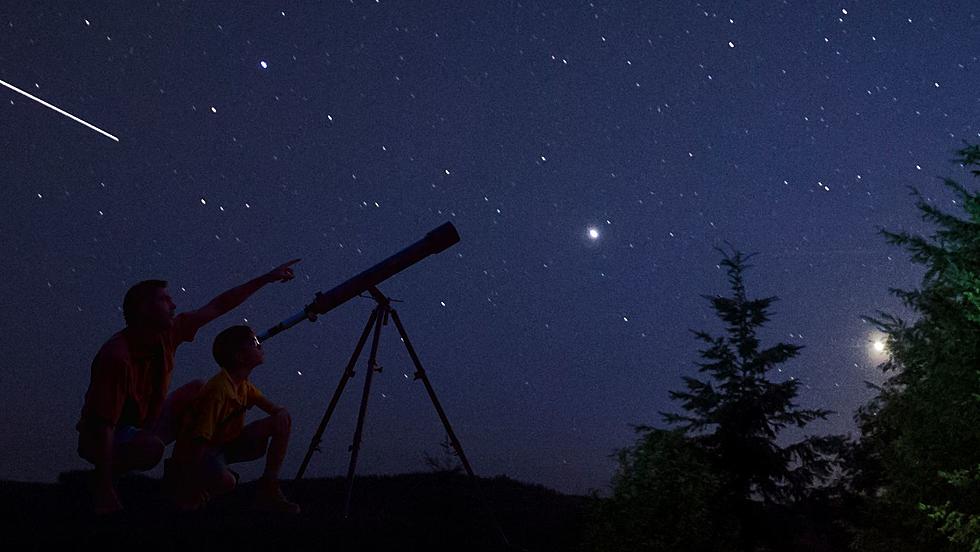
(178, 485)
(269, 498)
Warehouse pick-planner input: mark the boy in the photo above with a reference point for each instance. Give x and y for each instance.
(214, 434)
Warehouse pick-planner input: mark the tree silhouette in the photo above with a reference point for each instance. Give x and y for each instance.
(736, 411)
(721, 480)
(920, 441)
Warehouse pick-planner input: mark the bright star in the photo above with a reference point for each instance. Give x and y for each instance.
(593, 233)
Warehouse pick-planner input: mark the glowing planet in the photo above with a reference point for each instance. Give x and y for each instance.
(878, 346)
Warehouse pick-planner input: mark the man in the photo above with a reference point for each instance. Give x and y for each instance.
(128, 418)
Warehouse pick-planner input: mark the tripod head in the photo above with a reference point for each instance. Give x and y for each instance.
(436, 241)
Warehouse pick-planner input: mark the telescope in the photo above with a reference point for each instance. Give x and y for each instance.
(436, 241)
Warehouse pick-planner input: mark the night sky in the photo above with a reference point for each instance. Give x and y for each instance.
(592, 156)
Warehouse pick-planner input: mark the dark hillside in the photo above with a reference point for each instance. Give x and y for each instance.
(426, 511)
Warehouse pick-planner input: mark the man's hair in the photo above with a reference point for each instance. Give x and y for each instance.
(137, 296)
(230, 342)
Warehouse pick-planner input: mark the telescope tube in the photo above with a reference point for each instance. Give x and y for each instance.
(436, 241)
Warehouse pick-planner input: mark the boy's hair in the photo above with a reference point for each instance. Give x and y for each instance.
(137, 296)
(229, 342)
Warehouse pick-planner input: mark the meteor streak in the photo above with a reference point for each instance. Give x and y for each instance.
(63, 112)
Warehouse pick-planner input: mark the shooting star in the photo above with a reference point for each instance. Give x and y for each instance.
(63, 112)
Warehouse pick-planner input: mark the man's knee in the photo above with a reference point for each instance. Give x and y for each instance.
(142, 453)
(195, 385)
(180, 398)
(188, 391)
(224, 483)
(174, 407)
(86, 447)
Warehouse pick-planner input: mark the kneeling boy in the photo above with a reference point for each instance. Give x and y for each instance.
(214, 434)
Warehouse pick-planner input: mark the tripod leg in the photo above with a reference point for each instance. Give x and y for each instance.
(356, 445)
(420, 374)
(348, 374)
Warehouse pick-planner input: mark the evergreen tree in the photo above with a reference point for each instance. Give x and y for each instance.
(721, 480)
(920, 435)
(737, 413)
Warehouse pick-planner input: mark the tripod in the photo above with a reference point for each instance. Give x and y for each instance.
(379, 317)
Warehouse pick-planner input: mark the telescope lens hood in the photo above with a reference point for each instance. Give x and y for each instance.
(442, 237)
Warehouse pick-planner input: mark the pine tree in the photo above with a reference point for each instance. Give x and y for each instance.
(720, 478)
(738, 412)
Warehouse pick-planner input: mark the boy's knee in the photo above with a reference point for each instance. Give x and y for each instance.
(259, 448)
(283, 421)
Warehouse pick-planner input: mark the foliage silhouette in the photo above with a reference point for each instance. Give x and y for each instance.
(920, 436)
(721, 477)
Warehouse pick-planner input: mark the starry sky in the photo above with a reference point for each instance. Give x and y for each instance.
(592, 156)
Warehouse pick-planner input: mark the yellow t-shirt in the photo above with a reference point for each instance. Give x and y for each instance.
(218, 412)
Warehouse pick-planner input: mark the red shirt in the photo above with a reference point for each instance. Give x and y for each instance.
(130, 380)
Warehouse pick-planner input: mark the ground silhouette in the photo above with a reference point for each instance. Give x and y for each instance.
(423, 511)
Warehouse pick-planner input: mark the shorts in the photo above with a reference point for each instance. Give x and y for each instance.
(215, 459)
(125, 434)
(215, 465)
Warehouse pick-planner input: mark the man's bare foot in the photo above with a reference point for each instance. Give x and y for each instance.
(191, 502)
(105, 502)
